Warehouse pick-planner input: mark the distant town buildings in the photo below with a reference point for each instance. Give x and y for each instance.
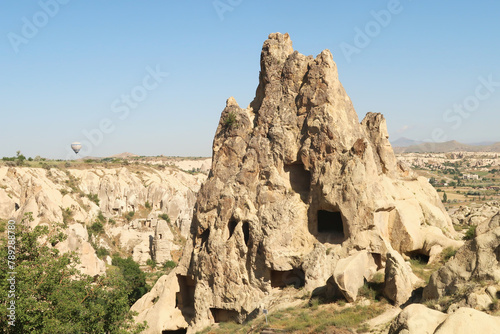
(471, 177)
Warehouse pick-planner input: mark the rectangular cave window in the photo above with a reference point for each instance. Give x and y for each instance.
(184, 299)
(159, 235)
(222, 315)
(281, 279)
(330, 222)
(178, 331)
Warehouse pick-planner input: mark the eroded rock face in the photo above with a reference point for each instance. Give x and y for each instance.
(477, 261)
(475, 216)
(297, 184)
(351, 273)
(418, 319)
(58, 196)
(399, 279)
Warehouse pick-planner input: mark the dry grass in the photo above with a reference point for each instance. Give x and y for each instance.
(310, 318)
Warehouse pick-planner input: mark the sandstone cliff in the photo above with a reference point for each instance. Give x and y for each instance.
(297, 185)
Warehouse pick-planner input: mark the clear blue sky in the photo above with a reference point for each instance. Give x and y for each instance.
(71, 72)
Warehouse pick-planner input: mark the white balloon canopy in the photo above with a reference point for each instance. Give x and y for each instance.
(76, 146)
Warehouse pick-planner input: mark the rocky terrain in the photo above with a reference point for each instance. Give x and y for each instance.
(306, 213)
(130, 203)
(302, 198)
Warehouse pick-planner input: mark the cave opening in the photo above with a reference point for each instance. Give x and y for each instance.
(178, 331)
(419, 257)
(184, 299)
(222, 315)
(294, 277)
(246, 232)
(330, 222)
(231, 226)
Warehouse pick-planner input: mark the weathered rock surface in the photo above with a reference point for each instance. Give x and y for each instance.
(160, 307)
(475, 216)
(77, 241)
(351, 273)
(55, 196)
(298, 183)
(399, 279)
(418, 319)
(477, 261)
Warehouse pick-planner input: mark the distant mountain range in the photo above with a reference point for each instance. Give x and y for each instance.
(405, 145)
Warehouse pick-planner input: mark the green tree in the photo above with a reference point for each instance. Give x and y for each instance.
(53, 296)
(445, 197)
(133, 275)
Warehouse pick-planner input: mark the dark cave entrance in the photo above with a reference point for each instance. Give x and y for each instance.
(178, 331)
(222, 315)
(330, 222)
(231, 226)
(184, 299)
(294, 277)
(246, 232)
(419, 257)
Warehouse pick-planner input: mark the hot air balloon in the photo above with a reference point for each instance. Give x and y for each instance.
(76, 146)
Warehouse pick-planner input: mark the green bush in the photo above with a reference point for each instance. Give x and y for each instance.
(94, 198)
(165, 217)
(230, 120)
(102, 252)
(471, 233)
(96, 228)
(129, 215)
(100, 217)
(448, 253)
(67, 215)
(151, 263)
(147, 205)
(169, 265)
(52, 296)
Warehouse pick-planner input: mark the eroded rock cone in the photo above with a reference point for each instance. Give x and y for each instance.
(297, 183)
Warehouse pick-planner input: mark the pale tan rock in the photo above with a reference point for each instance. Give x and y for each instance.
(466, 321)
(160, 307)
(479, 301)
(476, 261)
(297, 185)
(162, 242)
(399, 279)
(417, 319)
(77, 241)
(46, 193)
(350, 273)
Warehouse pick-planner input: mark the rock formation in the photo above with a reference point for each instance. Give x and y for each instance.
(77, 197)
(399, 279)
(297, 184)
(418, 319)
(475, 264)
(475, 216)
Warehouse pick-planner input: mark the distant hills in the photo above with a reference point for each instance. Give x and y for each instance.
(405, 142)
(405, 145)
